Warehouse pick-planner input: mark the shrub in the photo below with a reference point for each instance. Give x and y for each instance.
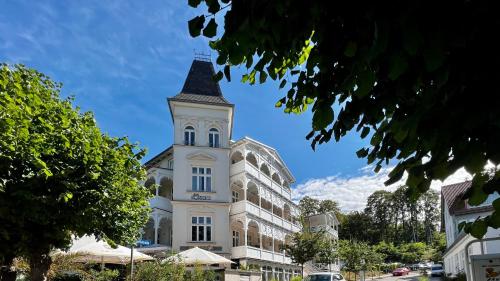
(296, 278)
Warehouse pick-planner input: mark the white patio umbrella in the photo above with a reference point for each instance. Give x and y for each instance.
(88, 249)
(198, 256)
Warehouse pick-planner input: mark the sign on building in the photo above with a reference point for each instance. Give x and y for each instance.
(486, 267)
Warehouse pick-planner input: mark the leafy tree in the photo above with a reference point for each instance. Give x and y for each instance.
(417, 86)
(430, 200)
(59, 175)
(388, 251)
(329, 206)
(304, 247)
(379, 208)
(327, 251)
(412, 252)
(357, 226)
(353, 254)
(309, 206)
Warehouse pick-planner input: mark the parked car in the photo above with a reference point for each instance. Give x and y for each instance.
(437, 270)
(324, 276)
(400, 271)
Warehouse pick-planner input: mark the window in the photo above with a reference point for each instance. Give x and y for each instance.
(189, 135)
(236, 238)
(213, 138)
(170, 164)
(201, 229)
(236, 196)
(201, 179)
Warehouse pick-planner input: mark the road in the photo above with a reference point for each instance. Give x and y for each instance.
(413, 276)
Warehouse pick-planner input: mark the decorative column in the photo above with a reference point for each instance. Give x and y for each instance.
(245, 231)
(156, 223)
(157, 182)
(261, 192)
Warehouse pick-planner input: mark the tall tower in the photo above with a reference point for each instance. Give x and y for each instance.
(203, 121)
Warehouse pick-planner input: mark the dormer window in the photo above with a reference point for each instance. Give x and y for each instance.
(213, 138)
(189, 135)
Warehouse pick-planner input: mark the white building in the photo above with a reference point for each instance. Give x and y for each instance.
(454, 211)
(329, 224)
(230, 197)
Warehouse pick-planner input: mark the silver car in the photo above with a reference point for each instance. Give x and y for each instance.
(324, 276)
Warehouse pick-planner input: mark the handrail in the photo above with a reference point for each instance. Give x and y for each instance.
(467, 257)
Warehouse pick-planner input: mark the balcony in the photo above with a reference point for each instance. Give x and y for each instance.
(244, 166)
(260, 254)
(160, 202)
(248, 207)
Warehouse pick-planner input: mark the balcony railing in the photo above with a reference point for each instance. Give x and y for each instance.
(243, 165)
(249, 207)
(160, 203)
(260, 254)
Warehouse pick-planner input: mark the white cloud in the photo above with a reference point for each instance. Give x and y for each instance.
(351, 192)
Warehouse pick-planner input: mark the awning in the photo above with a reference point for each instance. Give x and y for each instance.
(198, 256)
(88, 249)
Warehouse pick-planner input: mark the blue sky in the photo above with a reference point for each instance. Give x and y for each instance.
(122, 59)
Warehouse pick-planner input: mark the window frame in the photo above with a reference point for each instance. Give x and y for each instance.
(214, 137)
(205, 225)
(189, 135)
(234, 198)
(203, 179)
(236, 238)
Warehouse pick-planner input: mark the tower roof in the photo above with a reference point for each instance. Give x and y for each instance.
(200, 86)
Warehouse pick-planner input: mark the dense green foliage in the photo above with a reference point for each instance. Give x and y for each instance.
(393, 217)
(59, 175)
(304, 246)
(157, 271)
(310, 206)
(418, 86)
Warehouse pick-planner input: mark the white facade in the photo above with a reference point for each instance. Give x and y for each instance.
(328, 223)
(232, 198)
(455, 211)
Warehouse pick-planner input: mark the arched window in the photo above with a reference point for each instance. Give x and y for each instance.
(150, 184)
(265, 169)
(213, 138)
(251, 159)
(166, 188)
(189, 135)
(148, 235)
(276, 178)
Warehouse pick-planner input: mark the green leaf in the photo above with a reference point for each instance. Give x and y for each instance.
(280, 102)
(227, 72)
(195, 25)
(477, 197)
(217, 77)
(211, 29)
(194, 3)
(478, 229)
(350, 49)
(496, 204)
(398, 66)
(365, 132)
(365, 82)
(283, 83)
(434, 57)
(322, 118)
(363, 152)
(262, 77)
(213, 6)
(462, 225)
(494, 219)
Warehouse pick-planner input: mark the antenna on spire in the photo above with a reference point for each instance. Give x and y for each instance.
(201, 56)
